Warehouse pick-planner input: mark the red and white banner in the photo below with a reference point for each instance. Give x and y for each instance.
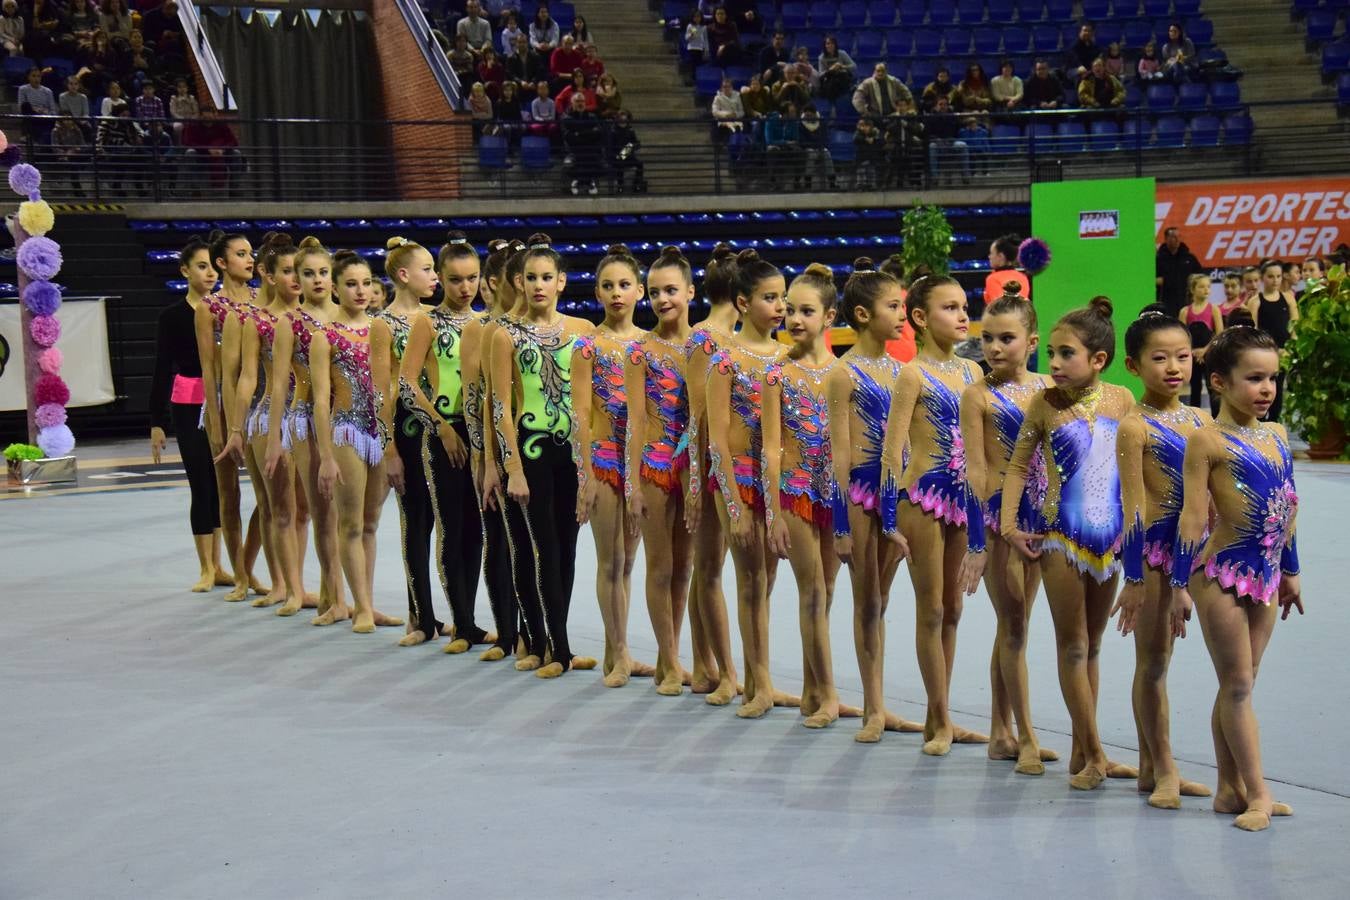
(1237, 223)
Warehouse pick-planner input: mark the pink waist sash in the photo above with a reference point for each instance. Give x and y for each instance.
(187, 390)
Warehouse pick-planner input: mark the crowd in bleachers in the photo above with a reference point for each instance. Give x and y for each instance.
(1328, 26)
(112, 84)
(1152, 61)
(535, 85)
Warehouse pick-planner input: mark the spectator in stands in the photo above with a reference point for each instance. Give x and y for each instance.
(696, 37)
(940, 86)
(35, 98)
(475, 28)
(945, 144)
(728, 111)
(44, 28)
(745, 15)
(564, 61)
(510, 31)
(782, 143)
(1100, 90)
(1149, 67)
(580, 33)
(1042, 90)
(801, 64)
(1175, 264)
(543, 112)
(81, 20)
(148, 106)
(972, 94)
(543, 31)
(1081, 53)
(583, 136)
(137, 62)
(11, 29)
(182, 106)
(815, 144)
(1178, 54)
(1006, 88)
(161, 20)
(115, 19)
(623, 154)
(525, 66)
(118, 143)
(213, 152)
(73, 101)
(462, 61)
(578, 87)
(975, 136)
(71, 147)
(480, 107)
(793, 90)
(837, 70)
(115, 95)
(99, 65)
(882, 95)
(491, 72)
(773, 58)
(1115, 61)
(509, 112)
(757, 99)
(592, 65)
(608, 97)
(870, 149)
(724, 39)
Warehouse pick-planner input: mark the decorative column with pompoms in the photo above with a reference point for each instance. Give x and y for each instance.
(39, 260)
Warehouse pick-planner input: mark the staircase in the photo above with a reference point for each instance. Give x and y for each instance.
(629, 37)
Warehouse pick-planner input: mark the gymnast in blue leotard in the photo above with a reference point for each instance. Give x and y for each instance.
(1249, 562)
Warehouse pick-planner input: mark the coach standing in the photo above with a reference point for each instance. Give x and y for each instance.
(1175, 264)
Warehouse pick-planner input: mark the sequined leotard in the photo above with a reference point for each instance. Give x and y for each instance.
(1253, 541)
(747, 372)
(703, 344)
(299, 417)
(609, 417)
(1152, 497)
(356, 401)
(870, 397)
(806, 485)
(1006, 415)
(259, 421)
(665, 452)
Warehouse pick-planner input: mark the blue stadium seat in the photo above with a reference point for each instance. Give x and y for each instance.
(707, 80)
(492, 152)
(1303, 6)
(535, 152)
(793, 15)
(1171, 131)
(847, 38)
(674, 11)
(564, 13)
(1045, 38)
(922, 73)
(1161, 96)
(1321, 25)
(1186, 7)
(1096, 10)
(1006, 139)
(1157, 9)
(1042, 137)
(881, 14)
(1030, 10)
(1225, 95)
(1136, 33)
(1134, 95)
(899, 42)
(1016, 39)
(812, 40)
(1237, 129)
(823, 106)
(823, 13)
(853, 13)
(868, 44)
(1200, 31)
(1205, 131)
(841, 146)
(941, 12)
(1109, 32)
(1105, 135)
(1002, 11)
(971, 12)
(1137, 133)
(740, 75)
(1192, 96)
(955, 41)
(988, 40)
(1059, 10)
(1071, 137)
(1335, 57)
(928, 42)
(16, 69)
(912, 12)
(843, 109)
(1343, 89)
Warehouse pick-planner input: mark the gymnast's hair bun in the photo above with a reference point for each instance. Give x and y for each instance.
(493, 245)
(395, 243)
(215, 235)
(1101, 305)
(723, 252)
(819, 270)
(345, 256)
(747, 257)
(457, 237)
(864, 264)
(538, 241)
(618, 250)
(670, 254)
(310, 242)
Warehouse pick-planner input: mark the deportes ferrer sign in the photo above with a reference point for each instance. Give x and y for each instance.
(1235, 223)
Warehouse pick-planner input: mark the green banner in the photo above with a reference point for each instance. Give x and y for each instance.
(1100, 235)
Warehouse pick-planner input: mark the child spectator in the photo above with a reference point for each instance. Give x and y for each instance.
(510, 32)
(11, 28)
(71, 146)
(782, 141)
(801, 64)
(543, 112)
(509, 111)
(756, 99)
(462, 61)
(1006, 88)
(564, 61)
(148, 106)
(836, 71)
(592, 66)
(608, 97)
(578, 87)
(870, 150)
(35, 98)
(972, 94)
(543, 31)
(73, 102)
(480, 107)
(1233, 296)
(623, 155)
(1100, 90)
(728, 111)
(814, 139)
(182, 105)
(944, 142)
(475, 28)
(580, 33)
(491, 72)
(1149, 68)
(696, 37)
(791, 91)
(976, 138)
(1115, 62)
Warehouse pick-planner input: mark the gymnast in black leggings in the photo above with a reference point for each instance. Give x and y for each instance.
(176, 395)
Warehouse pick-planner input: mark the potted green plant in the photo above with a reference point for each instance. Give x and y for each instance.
(927, 240)
(1317, 358)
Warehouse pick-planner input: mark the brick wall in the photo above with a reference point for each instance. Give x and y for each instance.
(426, 158)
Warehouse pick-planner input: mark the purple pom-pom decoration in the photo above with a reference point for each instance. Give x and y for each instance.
(49, 415)
(46, 330)
(56, 441)
(39, 258)
(24, 179)
(50, 360)
(51, 389)
(11, 155)
(1033, 255)
(41, 297)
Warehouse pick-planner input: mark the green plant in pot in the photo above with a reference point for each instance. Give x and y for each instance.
(1317, 357)
(927, 240)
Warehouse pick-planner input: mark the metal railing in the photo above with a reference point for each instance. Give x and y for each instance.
(297, 160)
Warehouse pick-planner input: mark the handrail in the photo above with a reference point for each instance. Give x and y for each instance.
(431, 51)
(212, 73)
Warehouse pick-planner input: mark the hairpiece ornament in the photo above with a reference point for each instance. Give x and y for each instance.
(402, 242)
(539, 247)
(454, 241)
(1152, 314)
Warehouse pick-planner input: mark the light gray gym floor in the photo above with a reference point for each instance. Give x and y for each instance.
(157, 743)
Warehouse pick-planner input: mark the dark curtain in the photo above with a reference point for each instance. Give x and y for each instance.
(295, 67)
